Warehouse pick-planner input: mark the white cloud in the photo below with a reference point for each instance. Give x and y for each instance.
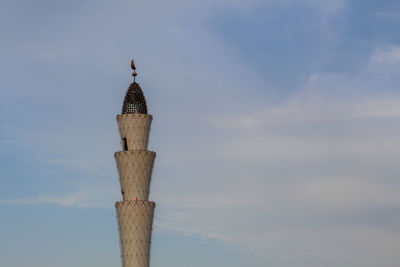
(76, 199)
(295, 180)
(386, 55)
(80, 199)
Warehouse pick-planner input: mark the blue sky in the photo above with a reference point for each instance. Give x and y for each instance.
(276, 126)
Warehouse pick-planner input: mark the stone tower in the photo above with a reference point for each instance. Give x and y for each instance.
(135, 165)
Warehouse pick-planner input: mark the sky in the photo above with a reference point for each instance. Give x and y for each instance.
(276, 126)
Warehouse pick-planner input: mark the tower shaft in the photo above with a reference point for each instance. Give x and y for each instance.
(135, 212)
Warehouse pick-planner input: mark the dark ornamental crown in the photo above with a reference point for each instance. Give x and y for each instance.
(134, 100)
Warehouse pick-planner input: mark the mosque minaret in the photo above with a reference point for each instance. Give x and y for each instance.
(135, 165)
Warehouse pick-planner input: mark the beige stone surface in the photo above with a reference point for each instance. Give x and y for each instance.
(135, 127)
(135, 168)
(135, 219)
(135, 212)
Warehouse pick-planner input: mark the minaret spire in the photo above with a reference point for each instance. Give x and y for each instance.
(135, 165)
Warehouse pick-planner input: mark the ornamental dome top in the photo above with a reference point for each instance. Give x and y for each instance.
(134, 101)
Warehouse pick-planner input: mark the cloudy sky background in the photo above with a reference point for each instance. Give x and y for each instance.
(276, 126)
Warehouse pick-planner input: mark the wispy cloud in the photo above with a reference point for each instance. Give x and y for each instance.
(300, 174)
(80, 199)
(387, 55)
(76, 199)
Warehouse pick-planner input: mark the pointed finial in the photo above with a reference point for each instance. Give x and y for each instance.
(134, 74)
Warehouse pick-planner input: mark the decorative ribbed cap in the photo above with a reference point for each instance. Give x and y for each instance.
(134, 101)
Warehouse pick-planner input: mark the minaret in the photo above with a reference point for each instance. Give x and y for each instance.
(135, 165)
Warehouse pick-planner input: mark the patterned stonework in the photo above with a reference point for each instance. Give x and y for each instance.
(135, 168)
(135, 127)
(135, 212)
(135, 219)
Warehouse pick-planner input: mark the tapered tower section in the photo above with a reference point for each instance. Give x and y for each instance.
(135, 165)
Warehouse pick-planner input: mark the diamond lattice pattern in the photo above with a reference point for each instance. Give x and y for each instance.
(135, 128)
(135, 219)
(135, 168)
